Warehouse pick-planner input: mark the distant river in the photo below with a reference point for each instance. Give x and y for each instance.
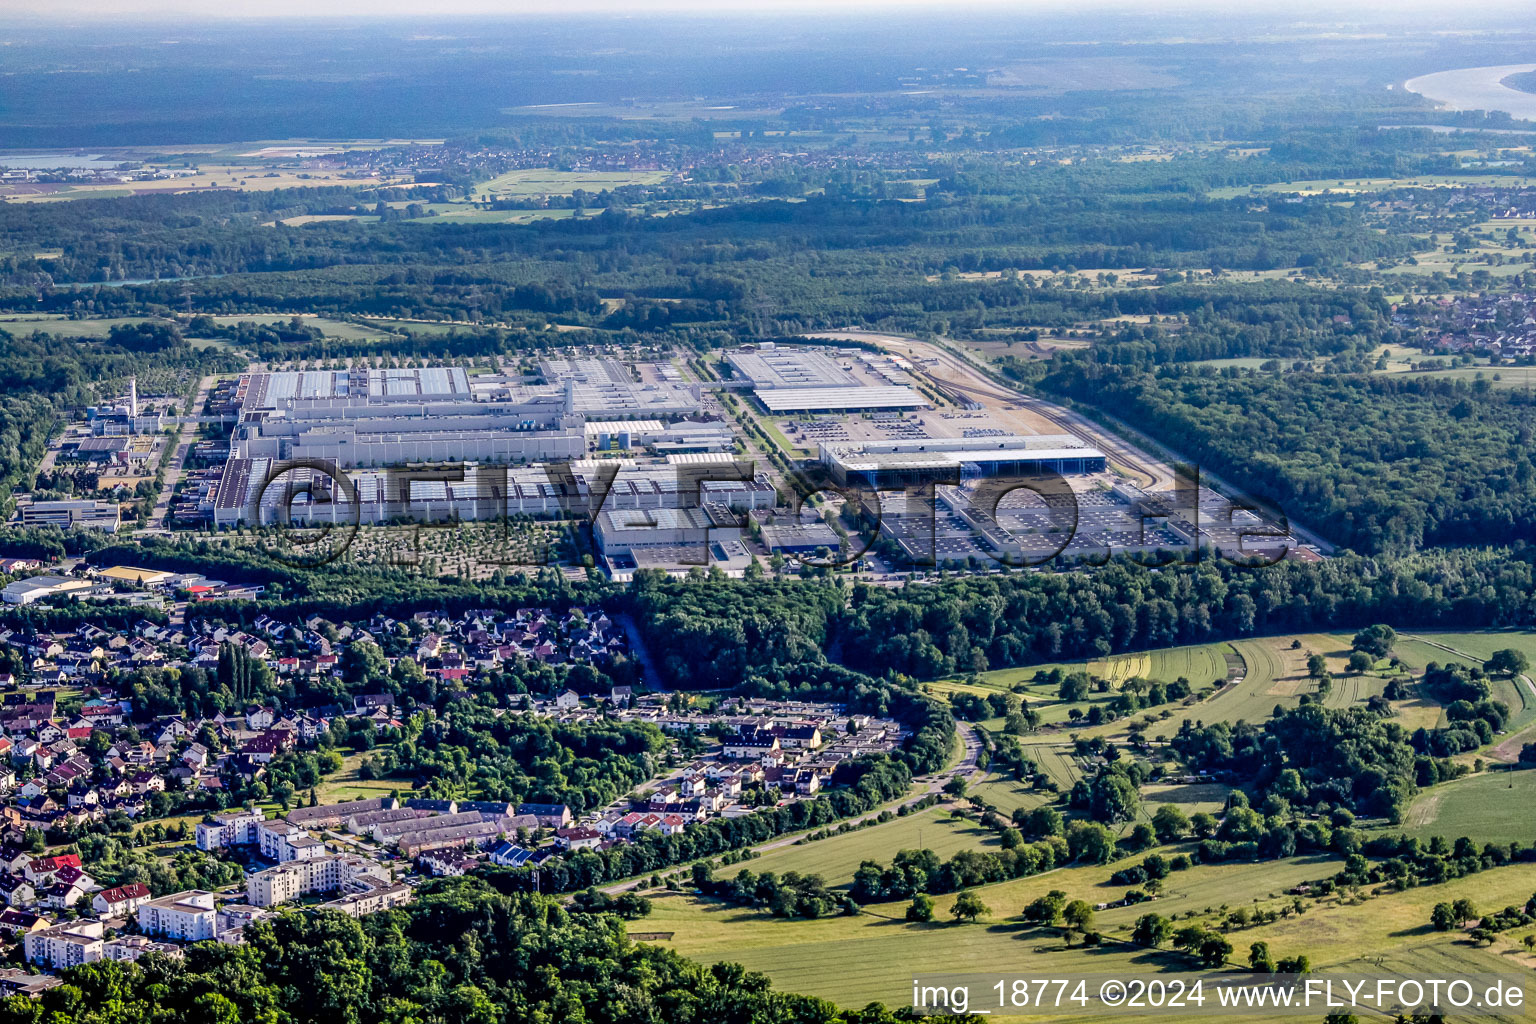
(1477, 89)
(57, 162)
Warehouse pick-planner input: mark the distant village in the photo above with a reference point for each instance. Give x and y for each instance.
(1503, 325)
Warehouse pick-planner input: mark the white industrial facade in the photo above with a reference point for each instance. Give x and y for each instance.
(576, 489)
(895, 463)
(367, 419)
(850, 399)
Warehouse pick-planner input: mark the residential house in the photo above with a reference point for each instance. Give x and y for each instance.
(122, 900)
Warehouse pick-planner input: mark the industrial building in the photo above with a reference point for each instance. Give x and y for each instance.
(792, 538)
(596, 388)
(897, 463)
(38, 588)
(73, 515)
(863, 398)
(621, 532)
(811, 379)
(371, 419)
(684, 436)
(769, 366)
(576, 489)
(395, 417)
(125, 417)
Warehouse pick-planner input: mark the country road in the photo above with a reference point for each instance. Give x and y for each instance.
(965, 768)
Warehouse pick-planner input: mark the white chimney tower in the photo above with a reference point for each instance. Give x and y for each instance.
(133, 398)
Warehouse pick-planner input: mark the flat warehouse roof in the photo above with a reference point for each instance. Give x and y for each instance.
(624, 426)
(132, 574)
(803, 399)
(918, 460)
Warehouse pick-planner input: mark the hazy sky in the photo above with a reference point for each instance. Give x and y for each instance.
(149, 9)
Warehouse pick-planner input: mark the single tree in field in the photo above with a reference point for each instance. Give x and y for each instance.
(1361, 662)
(1214, 950)
(1169, 823)
(1507, 662)
(1442, 918)
(1046, 909)
(1203, 824)
(968, 907)
(1376, 640)
(1316, 665)
(1151, 930)
(1259, 958)
(1464, 911)
(921, 909)
(1078, 917)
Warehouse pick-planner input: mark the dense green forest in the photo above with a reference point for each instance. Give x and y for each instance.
(710, 634)
(1377, 464)
(834, 254)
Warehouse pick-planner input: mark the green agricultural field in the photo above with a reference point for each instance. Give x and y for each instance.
(1202, 665)
(1333, 933)
(536, 182)
(418, 326)
(1007, 795)
(1266, 681)
(459, 213)
(1055, 759)
(1490, 807)
(1346, 186)
(1210, 797)
(1519, 695)
(1418, 648)
(330, 328)
(346, 785)
(63, 326)
(1516, 378)
(835, 859)
(872, 957)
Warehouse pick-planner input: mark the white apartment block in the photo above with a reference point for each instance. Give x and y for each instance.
(232, 828)
(188, 916)
(371, 901)
(283, 842)
(65, 945)
(330, 873)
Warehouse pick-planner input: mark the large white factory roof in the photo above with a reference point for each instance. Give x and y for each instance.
(940, 452)
(773, 367)
(624, 426)
(817, 398)
(870, 463)
(273, 390)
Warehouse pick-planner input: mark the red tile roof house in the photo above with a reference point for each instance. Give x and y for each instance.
(43, 868)
(264, 747)
(121, 901)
